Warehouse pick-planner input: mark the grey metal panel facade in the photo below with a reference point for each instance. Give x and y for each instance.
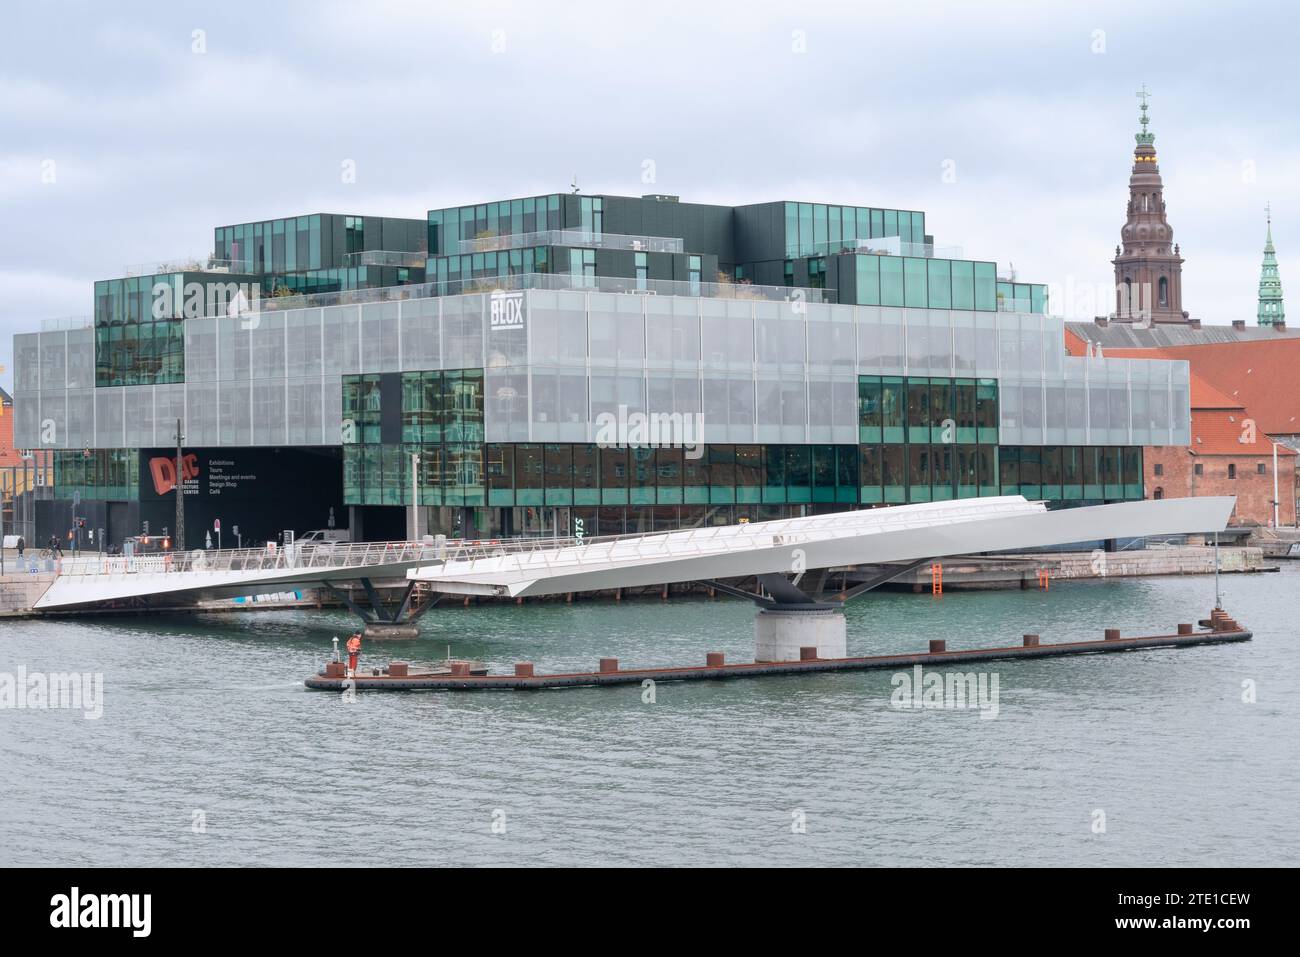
(761, 232)
(703, 228)
(757, 370)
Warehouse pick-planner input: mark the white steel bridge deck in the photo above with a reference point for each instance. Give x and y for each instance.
(898, 534)
(90, 580)
(525, 567)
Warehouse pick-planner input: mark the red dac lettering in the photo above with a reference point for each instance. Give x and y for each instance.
(163, 470)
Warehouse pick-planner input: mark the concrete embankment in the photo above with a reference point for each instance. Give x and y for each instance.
(1034, 570)
(1277, 542)
(19, 592)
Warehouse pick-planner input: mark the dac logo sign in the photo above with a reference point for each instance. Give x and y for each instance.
(163, 471)
(507, 310)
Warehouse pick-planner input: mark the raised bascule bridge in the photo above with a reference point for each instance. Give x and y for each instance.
(789, 557)
(799, 620)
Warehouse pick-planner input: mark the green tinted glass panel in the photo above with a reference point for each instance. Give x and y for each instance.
(891, 281)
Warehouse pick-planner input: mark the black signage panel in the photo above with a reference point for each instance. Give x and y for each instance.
(262, 491)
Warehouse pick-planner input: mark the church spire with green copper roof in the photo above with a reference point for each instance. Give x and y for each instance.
(1271, 310)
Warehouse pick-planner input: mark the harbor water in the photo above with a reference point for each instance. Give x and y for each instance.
(209, 751)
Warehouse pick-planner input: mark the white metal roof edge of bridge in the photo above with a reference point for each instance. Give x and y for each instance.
(73, 591)
(964, 533)
(721, 539)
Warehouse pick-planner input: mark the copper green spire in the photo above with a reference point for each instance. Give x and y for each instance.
(1144, 138)
(1271, 309)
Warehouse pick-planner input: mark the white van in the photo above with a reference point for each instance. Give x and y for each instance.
(320, 535)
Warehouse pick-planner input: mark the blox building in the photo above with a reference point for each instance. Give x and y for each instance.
(337, 369)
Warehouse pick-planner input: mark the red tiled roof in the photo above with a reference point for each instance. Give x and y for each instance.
(1220, 432)
(1206, 396)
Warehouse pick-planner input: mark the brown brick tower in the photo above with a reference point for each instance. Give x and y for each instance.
(1148, 267)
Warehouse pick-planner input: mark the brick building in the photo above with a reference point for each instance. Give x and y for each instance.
(8, 454)
(1228, 456)
(1243, 402)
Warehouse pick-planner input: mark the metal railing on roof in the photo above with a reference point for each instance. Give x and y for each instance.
(384, 257)
(573, 237)
(64, 323)
(560, 281)
(887, 246)
(189, 264)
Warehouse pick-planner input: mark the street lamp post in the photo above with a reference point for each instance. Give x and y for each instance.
(415, 496)
(1276, 522)
(178, 541)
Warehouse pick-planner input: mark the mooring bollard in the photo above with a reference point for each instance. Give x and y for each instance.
(608, 665)
(1112, 634)
(938, 645)
(460, 669)
(808, 653)
(398, 669)
(1031, 641)
(715, 659)
(1184, 629)
(523, 669)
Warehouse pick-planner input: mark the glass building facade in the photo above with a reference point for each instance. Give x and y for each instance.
(818, 229)
(104, 474)
(447, 228)
(901, 378)
(304, 244)
(139, 322)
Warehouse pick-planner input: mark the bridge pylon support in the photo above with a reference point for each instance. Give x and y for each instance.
(782, 631)
(380, 623)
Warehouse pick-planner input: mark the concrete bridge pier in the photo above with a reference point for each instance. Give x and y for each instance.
(781, 632)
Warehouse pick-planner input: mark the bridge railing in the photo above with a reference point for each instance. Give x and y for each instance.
(561, 556)
(301, 555)
(535, 553)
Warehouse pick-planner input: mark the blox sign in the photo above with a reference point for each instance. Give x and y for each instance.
(507, 310)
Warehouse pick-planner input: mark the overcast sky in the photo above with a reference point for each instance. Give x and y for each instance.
(152, 134)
